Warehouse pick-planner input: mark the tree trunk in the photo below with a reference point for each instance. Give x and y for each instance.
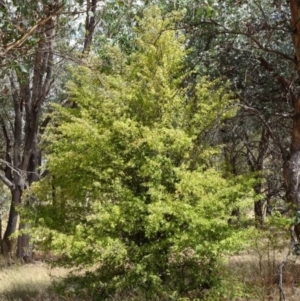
(24, 248)
(292, 165)
(90, 24)
(8, 243)
(259, 213)
(29, 91)
(256, 164)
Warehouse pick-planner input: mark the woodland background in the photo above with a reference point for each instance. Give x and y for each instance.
(151, 149)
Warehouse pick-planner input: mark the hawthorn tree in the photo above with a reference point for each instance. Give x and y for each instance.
(135, 188)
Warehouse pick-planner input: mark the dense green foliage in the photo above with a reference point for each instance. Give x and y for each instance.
(135, 188)
(169, 121)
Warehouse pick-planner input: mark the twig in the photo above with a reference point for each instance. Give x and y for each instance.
(25, 37)
(281, 266)
(267, 126)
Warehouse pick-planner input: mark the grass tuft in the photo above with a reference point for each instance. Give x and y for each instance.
(23, 282)
(30, 282)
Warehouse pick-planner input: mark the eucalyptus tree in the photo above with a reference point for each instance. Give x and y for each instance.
(32, 56)
(248, 42)
(292, 167)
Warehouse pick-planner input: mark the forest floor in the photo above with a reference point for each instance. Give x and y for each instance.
(257, 272)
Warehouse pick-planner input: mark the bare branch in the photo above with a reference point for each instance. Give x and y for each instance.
(8, 150)
(271, 133)
(280, 78)
(259, 45)
(293, 244)
(6, 181)
(25, 37)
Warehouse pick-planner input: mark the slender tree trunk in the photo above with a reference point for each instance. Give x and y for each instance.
(8, 243)
(256, 164)
(1, 243)
(24, 248)
(292, 165)
(90, 24)
(259, 212)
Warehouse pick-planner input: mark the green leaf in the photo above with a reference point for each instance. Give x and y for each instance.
(297, 217)
(209, 11)
(199, 12)
(23, 68)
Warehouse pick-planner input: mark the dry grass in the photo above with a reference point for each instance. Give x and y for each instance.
(256, 271)
(31, 282)
(260, 273)
(24, 282)
(28, 282)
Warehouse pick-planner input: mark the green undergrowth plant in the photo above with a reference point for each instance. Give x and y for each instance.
(136, 191)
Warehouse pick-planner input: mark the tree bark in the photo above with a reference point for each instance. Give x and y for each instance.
(259, 166)
(8, 243)
(90, 24)
(292, 164)
(256, 164)
(29, 91)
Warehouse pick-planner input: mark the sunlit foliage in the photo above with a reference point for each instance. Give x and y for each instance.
(132, 190)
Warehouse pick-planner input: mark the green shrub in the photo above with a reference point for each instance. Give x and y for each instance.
(136, 191)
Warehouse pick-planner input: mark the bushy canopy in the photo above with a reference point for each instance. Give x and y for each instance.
(133, 190)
